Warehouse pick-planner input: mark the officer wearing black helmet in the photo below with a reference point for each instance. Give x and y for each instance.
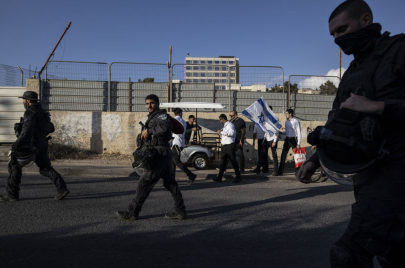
(156, 135)
(370, 102)
(32, 145)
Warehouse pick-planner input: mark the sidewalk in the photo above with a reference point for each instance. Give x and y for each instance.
(123, 168)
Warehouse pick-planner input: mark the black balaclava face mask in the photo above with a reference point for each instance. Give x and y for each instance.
(361, 41)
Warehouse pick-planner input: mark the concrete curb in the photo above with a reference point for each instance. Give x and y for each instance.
(98, 170)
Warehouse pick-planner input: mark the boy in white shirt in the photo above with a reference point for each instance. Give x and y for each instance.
(292, 139)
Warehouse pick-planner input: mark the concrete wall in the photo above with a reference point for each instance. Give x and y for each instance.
(116, 132)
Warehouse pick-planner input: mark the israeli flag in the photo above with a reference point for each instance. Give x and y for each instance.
(261, 114)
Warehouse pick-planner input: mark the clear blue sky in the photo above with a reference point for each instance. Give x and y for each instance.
(289, 33)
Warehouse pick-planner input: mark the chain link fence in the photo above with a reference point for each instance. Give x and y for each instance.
(131, 82)
(311, 96)
(76, 86)
(14, 76)
(122, 86)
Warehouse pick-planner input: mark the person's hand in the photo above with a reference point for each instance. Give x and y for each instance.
(14, 147)
(273, 145)
(240, 144)
(144, 134)
(363, 105)
(298, 147)
(219, 132)
(306, 171)
(194, 128)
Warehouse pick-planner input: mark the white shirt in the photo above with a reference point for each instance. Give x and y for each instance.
(179, 139)
(270, 137)
(228, 133)
(293, 129)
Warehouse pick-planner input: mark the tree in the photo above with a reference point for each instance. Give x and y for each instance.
(147, 80)
(328, 88)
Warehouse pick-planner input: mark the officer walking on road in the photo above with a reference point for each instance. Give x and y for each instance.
(370, 101)
(178, 144)
(156, 136)
(32, 145)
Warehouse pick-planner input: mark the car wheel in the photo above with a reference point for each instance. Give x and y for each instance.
(200, 161)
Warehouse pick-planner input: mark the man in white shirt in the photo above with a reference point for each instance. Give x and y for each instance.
(264, 142)
(228, 149)
(178, 144)
(292, 139)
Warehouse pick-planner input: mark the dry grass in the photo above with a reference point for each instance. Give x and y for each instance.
(61, 151)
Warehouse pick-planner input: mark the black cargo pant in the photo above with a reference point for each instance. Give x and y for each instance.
(45, 169)
(377, 224)
(238, 153)
(177, 162)
(263, 156)
(160, 168)
(228, 154)
(290, 142)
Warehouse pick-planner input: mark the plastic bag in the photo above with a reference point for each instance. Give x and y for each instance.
(299, 156)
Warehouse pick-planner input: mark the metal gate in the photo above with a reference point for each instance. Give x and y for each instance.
(11, 109)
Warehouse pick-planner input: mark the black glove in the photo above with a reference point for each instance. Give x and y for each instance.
(14, 147)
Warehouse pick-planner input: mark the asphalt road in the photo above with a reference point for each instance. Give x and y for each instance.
(257, 223)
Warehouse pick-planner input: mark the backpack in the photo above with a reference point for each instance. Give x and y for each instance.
(46, 121)
(177, 126)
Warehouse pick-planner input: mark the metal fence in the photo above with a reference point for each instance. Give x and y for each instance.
(122, 86)
(311, 96)
(14, 76)
(130, 83)
(76, 86)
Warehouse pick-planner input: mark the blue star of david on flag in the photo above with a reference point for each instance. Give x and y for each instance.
(261, 114)
(261, 118)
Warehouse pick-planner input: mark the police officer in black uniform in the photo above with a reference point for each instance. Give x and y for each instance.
(156, 134)
(32, 136)
(377, 224)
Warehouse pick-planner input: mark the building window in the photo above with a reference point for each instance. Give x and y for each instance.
(217, 62)
(195, 74)
(202, 68)
(224, 81)
(209, 62)
(188, 61)
(217, 87)
(224, 75)
(231, 62)
(195, 61)
(188, 80)
(209, 80)
(202, 74)
(224, 62)
(224, 68)
(188, 74)
(216, 74)
(216, 80)
(210, 74)
(232, 68)
(223, 87)
(232, 74)
(195, 80)
(195, 68)
(202, 61)
(209, 68)
(232, 81)
(216, 68)
(202, 80)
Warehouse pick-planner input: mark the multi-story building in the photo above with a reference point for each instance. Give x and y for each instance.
(221, 71)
